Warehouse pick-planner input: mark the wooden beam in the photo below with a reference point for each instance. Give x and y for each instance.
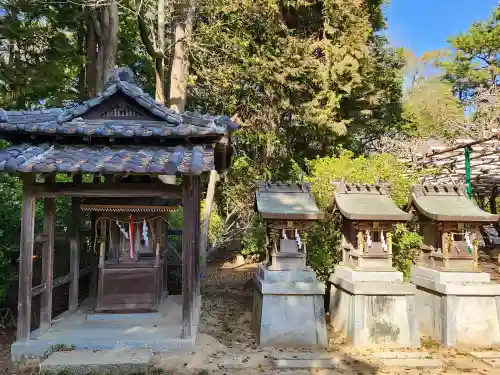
(49, 223)
(191, 219)
(26, 259)
(37, 290)
(123, 190)
(74, 248)
(62, 280)
(41, 238)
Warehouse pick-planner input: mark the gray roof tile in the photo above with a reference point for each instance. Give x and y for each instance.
(69, 121)
(46, 158)
(367, 202)
(286, 202)
(447, 203)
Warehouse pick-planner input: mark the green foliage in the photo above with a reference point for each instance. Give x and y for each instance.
(434, 110)
(323, 252)
(476, 56)
(216, 228)
(299, 74)
(371, 169)
(254, 240)
(406, 249)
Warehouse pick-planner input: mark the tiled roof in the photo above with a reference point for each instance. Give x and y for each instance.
(102, 159)
(447, 203)
(69, 121)
(286, 202)
(367, 202)
(115, 128)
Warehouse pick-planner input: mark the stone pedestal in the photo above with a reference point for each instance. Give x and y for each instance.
(373, 308)
(457, 308)
(288, 308)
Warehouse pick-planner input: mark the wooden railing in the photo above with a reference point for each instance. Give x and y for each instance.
(39, 289)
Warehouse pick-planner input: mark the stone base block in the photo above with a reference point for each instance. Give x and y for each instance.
(373, 313)
(457, 310)
(289, 313)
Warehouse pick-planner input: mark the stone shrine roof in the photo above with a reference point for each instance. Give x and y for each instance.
(286, 202)
(367, 202)
(447, 203)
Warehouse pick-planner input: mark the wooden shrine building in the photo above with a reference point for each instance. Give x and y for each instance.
(116, 149)
(450, 224)
(368, 219)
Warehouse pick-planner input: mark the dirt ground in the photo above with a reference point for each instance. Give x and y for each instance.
(226, 338)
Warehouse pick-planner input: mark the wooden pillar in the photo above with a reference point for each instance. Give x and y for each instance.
(190, 256)
(158, 236)
(94, 263)
(74, 247)
(165, 257)
(49, 223)
(102, 251)
(26, 260)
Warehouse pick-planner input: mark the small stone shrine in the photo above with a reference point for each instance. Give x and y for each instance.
(288, 308)
(456, 303)
(369, 302)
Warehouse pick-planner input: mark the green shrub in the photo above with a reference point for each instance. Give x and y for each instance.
(405, 249)
(254, 239)
(323, 252)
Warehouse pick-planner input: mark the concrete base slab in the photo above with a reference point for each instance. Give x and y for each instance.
(373, 314)
(156, 334)
(88, 362)
(245, 361)
(408, 360)
(289, 314)
(349, 274)
(447, 311)
(331, 363)
(312, 360)
(465, 364)
(491, 358)
(450, 276)
(304, 355)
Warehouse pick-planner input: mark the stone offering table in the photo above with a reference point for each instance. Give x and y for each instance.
(456, 303)
(288, 308)
(369, 302)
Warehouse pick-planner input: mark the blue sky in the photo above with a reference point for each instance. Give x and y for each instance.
(425, 25)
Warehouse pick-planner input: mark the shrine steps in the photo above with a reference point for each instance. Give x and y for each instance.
(120, 361)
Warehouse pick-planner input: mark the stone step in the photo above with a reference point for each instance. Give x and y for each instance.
(92, 362)
(489, 357)
(330, 363)
(408, 360)
(306, 360)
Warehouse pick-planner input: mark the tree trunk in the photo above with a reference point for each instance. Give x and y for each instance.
(91, 65)
(206, 217)
(179, 59)
(102, 45)
(160, 56)
(110, 35)
(82, 91)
